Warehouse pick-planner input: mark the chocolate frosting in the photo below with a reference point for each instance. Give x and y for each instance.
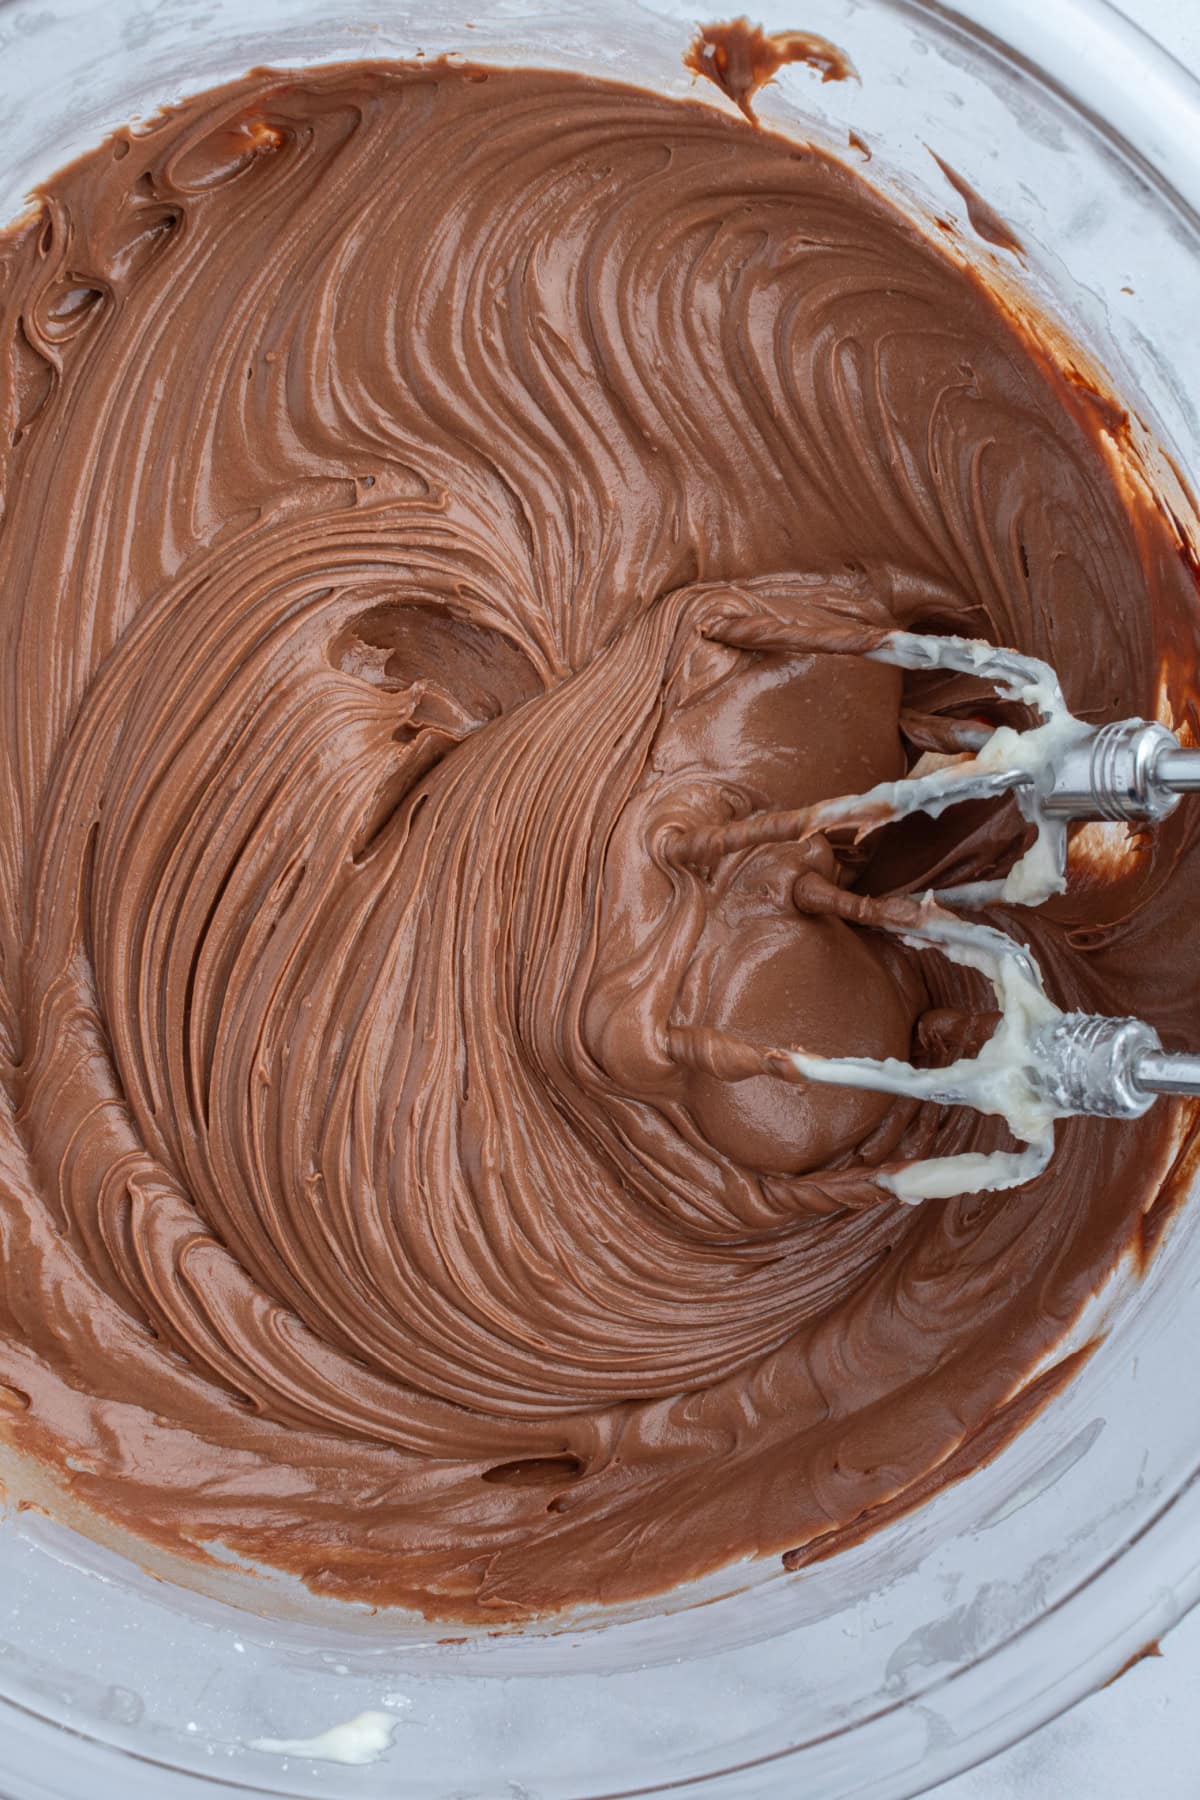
(740, 58)
(428, 493)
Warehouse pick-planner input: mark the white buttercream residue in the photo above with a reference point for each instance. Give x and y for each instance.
(360, 1740)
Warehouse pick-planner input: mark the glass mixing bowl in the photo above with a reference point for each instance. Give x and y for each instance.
(952, 1632)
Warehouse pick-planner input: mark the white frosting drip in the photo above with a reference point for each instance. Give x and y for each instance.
(358, 1741)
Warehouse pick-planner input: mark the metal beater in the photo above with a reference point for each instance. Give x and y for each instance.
(1041, 1063)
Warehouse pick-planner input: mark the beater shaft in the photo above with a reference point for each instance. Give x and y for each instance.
(1159, 1072)
(1180, 770)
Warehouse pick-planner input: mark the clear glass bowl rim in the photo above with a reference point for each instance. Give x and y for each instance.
(1146, 104)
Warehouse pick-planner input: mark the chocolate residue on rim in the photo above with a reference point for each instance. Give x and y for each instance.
(740, 58)
(985, 220)
(1152, 1649)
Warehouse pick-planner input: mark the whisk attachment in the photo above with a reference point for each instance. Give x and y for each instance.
(1133, 771)
(1009, 1077)
(1041, 1064)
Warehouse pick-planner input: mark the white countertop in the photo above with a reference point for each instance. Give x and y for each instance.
(1142, 1734)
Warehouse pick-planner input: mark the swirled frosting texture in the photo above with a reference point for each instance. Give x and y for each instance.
(426, 492)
